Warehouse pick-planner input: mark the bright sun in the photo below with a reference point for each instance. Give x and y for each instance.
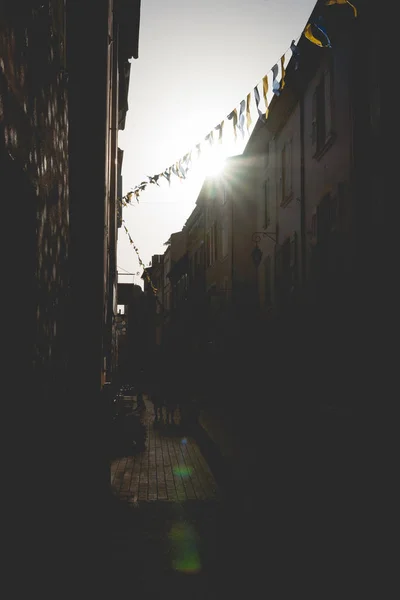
(213, 165)
(213, 160)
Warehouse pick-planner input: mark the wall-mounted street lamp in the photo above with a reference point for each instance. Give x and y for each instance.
(256, 254)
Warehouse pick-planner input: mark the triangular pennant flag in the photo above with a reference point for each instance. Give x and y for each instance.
(182, 169)
(330, 2)
(296, 54)
(320, 25)
(233, 117)
(275, 84)
(241, 117)
(283, 72)
(154, 179)
(128, 197)
(308, 33)
(310, 36)
(257, 101)
(210, 138)
(265, 91)
(178, 169)
(187, 160)
(220, 128)
(248, 115)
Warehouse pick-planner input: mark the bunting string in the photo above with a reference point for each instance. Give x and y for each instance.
(145, 271)
(316, 33)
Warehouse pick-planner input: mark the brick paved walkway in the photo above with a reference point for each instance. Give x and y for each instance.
(171, 468)
(169, 534)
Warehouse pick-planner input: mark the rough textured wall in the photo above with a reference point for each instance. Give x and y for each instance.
(34, 125)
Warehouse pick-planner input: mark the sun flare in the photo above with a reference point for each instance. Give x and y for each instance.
(213, 165)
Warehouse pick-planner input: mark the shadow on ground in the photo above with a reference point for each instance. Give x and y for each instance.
(177, 550)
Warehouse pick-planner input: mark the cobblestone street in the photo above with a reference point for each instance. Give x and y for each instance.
(171, 468)
(169, 532)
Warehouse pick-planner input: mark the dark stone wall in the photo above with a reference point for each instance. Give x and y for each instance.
(34, 165)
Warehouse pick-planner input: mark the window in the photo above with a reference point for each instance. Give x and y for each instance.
(321, 122)
(286, 173)
(314, 225)
(224, 237)
(211, 245)
(191, 267)
(286, 267)
(214, 242)
(267, 201)
(266, 156)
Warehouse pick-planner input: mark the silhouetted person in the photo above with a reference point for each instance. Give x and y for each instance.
(140, 399)
(170, 405)
(157, 402)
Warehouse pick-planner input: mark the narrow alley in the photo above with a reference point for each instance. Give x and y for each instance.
(170, 527)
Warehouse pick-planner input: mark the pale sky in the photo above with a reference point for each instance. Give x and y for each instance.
(198, 59)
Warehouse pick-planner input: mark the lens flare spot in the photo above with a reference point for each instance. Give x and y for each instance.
(185, 556)
(182, 471)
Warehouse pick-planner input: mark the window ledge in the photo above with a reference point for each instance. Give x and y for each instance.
(328, 143)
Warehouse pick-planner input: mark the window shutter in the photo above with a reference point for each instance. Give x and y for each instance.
(216, 241)
(314, 122)
(267, 219)
(208, 242)
(224, 237)
(288, 169)
(293, 249)
(328, 103)
(266, 159)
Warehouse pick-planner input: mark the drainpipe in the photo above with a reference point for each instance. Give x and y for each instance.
(232, 238)
(303, 237)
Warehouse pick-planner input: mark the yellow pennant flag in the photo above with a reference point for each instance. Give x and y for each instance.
(234, 118)
(220, 128)
(248, 116)
(265, 91)
(283, 72)
(309, 35)
(330, 2)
